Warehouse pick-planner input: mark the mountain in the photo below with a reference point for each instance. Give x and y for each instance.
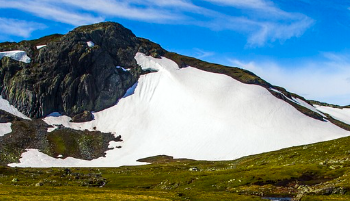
(100, 96)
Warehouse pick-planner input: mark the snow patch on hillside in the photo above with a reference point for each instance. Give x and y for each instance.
(90, 44)
(5, 128)
(300, 102)
(124, 69)
(17, 55)
(5, 105)
(337, 113)
(190, 113)
(40, 46)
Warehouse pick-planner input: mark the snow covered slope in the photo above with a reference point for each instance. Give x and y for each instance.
(16, 55)
(5, 105)
(337, 113)
(190, 113)
(5, 128)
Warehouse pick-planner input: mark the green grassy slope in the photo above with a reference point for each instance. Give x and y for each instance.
(312, 172)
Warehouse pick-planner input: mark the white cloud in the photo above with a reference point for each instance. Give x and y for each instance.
(252, 4)
(16, 27)
(264, 22)
(49, 10)
(200, 54)
(123, 9)
(261, 20)
(324, 80)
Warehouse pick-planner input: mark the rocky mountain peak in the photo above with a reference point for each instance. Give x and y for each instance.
(74, 73)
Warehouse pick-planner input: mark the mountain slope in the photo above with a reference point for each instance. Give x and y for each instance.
(158, 102)
(189, 113)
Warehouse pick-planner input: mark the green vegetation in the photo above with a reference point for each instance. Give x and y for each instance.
(32, 134)
(6, 46)
(236, 73)
(78, 144)
(311, 172)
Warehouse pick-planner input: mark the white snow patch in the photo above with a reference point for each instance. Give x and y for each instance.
(90, 44)
(5, 128)
(114, 144)
(337, 113)
(5, 105)
(17, 55)
(308, 106)
(56, 120)
(124, 69)
(300, 102)
(40, 46)
(190, 113)
(155, 64)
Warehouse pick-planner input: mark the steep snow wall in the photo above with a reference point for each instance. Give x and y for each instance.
(189, 113)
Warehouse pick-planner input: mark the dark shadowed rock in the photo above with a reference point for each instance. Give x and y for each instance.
(83, 117)
(7, 117)
(69, 76)
(32, 134)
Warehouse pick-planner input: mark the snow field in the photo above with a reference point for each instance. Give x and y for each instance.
(189, 113)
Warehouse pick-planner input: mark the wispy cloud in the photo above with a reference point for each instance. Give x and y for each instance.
(124, 9)
(326, 79)
(50, 10)
(200, 54)
(262, 20)
(14, 27)
(265, 22)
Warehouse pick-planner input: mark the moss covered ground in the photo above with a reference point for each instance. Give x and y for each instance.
(312, 172)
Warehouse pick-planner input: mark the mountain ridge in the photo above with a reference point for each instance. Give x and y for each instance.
(143, 45)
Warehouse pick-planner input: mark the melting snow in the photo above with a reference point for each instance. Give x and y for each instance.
(17, 55)
(5, 105)
(40, 46)
(125, 70)
(5, 128)
(337, 113)
(55, 119)
(189, 113)
(300, 102)
(90, 44)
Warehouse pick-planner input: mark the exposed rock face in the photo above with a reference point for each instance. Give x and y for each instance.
(70, 77)
(83, 117)
(32, 134)
(7, 117)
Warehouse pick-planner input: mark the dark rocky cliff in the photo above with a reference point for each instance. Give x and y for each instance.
(67, 75)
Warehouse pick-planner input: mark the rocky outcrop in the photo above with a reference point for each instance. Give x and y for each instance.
(62, 143)
(7, 117)
(83, 117)
(70, 76)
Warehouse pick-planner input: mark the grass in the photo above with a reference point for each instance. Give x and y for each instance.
(312, 172)
(236, 73)
(6, 46)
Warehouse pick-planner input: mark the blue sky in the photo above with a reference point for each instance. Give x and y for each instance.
(302, 45)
